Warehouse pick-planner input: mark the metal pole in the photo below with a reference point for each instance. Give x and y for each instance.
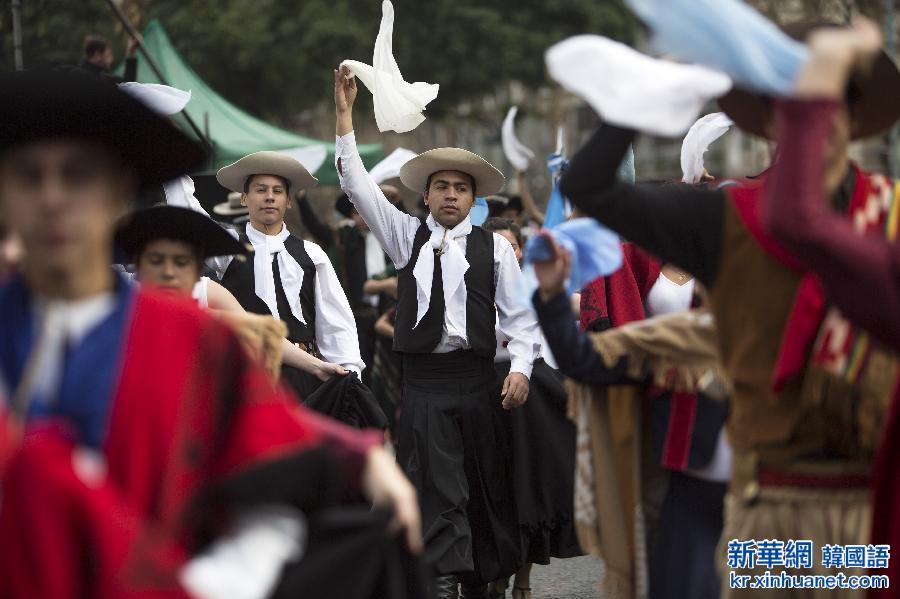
(129, 28)
(889, 45)
(17, 34)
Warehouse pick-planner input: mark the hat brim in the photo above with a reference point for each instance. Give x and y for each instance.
(140, 227)
(234, 175)
(874, 100)
(415, 173)
(226, 209)
(40, 105)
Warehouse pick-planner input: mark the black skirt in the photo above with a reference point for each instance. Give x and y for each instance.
(542, 440)
(352, 555)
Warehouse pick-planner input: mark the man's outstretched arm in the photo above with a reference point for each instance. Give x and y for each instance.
(394, 229)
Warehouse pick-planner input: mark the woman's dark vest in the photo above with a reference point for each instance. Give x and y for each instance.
(480, 289)
(239, 280)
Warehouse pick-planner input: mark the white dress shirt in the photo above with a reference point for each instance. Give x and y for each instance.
(396, 231)
(335, 326)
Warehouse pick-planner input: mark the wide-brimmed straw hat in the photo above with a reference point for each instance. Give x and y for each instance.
(140, 227)
(873, 95)
(232, 206)
(281, 165)
(414, 174)
(43, 104)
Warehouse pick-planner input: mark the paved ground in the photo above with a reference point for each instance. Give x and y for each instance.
(574, 578)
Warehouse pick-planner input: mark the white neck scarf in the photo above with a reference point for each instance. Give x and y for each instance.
(453, 268)
(63, 323)
(264, 278)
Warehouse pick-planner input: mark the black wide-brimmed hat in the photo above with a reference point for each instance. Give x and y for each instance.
(140, 227)
(874, 96)
(45, 104)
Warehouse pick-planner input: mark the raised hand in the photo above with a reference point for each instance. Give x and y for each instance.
(344, 89)
(344, 97)
(835, 53)
(552, 274)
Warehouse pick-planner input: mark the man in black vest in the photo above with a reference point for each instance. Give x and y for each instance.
(287, 277)
(454, 281)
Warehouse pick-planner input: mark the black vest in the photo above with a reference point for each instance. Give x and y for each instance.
(239, 280)
(480, 310)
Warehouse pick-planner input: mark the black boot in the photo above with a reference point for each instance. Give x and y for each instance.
(468, 590)
(444, 587)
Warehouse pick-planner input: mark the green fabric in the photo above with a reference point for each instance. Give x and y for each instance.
(233, 132)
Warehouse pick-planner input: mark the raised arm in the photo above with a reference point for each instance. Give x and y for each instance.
(678, 223)
(797, 210)
(528, 200)
(571, 348)
(393, 228)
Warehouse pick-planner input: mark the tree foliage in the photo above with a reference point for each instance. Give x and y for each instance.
(274, 57)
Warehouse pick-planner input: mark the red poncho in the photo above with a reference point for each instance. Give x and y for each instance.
(195, 432)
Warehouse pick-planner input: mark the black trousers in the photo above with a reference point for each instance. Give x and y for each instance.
(683, 561)
(453, 443)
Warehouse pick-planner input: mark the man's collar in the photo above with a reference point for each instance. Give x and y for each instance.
(251, 230)
(465, 223)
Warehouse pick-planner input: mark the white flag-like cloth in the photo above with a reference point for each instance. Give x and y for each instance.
(516, 152)
(398, 104)
(161, 99)
(706, 130)
(389, 168)
(633, 90)
(311, 157)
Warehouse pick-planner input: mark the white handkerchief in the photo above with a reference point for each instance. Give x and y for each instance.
(398, 104)
(516, 152)
(389, 168)
(161, 99)
(633, 90)
(311, 157)
(706, 130)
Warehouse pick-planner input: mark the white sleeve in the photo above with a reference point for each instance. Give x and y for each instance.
(394, 229)
(180, 192)
(335, 325)
(246, 563)
(517, 322)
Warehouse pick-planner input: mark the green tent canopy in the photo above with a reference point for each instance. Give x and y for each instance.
(232, 132)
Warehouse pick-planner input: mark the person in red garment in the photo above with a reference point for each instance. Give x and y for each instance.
(860, 273)
(136, 435)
